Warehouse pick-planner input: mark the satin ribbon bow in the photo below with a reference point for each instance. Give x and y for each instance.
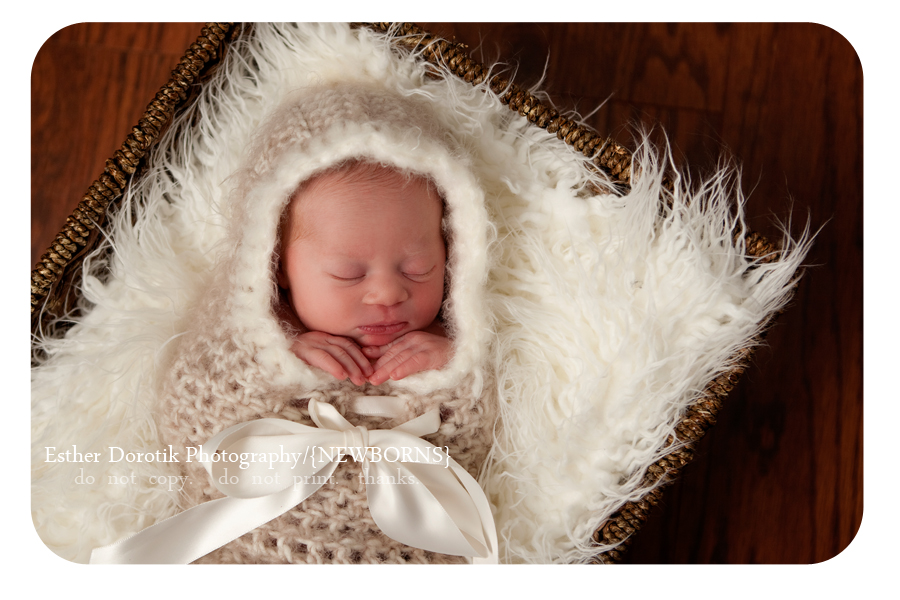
(417, 494)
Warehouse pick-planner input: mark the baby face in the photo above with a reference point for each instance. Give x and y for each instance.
(364, 257)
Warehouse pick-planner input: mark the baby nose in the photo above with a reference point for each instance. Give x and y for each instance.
(386, 291)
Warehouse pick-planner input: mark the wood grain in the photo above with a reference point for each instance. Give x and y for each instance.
(90, 84)
(779, 479)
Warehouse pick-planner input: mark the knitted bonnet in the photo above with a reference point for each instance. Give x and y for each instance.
(318, 128)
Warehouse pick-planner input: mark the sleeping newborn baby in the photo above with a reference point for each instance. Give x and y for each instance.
(362, 267)
(353, 274)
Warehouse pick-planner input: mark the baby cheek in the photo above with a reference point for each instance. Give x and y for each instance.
(434, 298)
(341, 306)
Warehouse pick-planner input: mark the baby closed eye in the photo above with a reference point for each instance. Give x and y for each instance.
(419, 274)
(414, 275)
(348, 279)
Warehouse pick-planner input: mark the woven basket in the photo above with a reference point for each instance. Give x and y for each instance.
(55, 279)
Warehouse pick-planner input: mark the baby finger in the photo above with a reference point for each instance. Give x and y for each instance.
(352, 369)
(324, 360)
(395, 350)
(414, 364)
(356, 354)
(384, 369)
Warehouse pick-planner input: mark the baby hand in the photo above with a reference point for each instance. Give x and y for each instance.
(339, 356)
(411, 353)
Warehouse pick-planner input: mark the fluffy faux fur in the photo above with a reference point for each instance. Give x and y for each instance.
(602, 317)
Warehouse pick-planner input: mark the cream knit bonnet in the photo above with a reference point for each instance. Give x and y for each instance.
(318, 128)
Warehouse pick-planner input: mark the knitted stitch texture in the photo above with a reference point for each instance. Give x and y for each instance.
(216, 384)
(233, 363)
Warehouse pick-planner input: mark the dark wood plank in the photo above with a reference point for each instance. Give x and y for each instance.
(91, 83)
(779, 479)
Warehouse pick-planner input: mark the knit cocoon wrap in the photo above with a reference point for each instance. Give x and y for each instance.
(234, 363)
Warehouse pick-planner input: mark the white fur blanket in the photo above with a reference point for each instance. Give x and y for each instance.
(610, 315)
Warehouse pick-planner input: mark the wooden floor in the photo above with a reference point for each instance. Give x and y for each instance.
(779, 479)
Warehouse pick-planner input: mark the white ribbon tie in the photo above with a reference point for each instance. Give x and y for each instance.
(417, 494)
